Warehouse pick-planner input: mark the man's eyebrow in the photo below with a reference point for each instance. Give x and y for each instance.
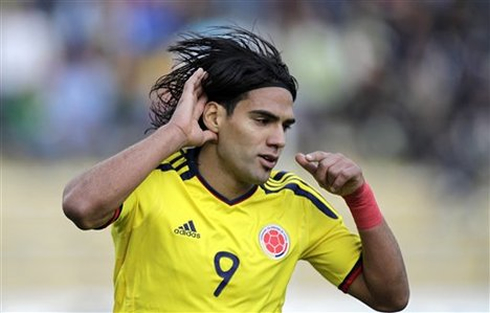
(272, 116)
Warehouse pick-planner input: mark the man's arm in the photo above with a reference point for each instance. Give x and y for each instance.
(383, 284)
(91, 199)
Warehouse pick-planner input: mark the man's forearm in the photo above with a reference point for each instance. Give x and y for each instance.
(90, 199)
(384, 284)
(383, 268)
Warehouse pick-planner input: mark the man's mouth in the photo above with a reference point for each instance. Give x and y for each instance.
(268, 161)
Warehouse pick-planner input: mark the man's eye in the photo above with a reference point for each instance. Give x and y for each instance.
(262, 121)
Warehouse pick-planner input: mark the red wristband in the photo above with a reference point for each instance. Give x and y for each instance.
(364, 208)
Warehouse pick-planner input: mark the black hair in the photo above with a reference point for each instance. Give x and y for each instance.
(236, 61)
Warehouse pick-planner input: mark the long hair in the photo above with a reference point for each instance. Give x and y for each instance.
(236, 60)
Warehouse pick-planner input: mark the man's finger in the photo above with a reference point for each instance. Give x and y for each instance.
(311, 167)
(193, 80)
(317, 156)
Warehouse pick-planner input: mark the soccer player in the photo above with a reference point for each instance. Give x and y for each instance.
(200, 219)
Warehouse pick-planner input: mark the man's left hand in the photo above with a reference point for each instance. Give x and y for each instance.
(333, 171)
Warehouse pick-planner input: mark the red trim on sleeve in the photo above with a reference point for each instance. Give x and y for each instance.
(353, 274)
(117, 212)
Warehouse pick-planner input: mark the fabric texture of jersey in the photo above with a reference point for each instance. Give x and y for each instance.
(182, 247)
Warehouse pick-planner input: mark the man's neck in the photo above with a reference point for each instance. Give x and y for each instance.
(217, 176)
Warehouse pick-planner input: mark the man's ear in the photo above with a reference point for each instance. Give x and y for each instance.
(212, 115)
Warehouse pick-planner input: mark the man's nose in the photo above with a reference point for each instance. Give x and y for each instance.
(277, 137)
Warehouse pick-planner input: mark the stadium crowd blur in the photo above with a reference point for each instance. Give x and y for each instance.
(407, 80)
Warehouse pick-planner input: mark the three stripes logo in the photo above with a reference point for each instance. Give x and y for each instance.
(187, 229)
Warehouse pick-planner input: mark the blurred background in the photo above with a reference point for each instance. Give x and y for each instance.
(401, 87)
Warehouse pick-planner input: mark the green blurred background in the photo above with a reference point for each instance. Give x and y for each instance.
(401, 87)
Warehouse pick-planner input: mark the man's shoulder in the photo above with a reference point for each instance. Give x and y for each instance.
(288, 183)
(181, 154)
(180, 162)
(281, 181)
(284, 177)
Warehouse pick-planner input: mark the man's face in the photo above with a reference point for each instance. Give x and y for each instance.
(252, 138)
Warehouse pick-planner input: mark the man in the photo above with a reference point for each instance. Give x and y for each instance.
(202, 222)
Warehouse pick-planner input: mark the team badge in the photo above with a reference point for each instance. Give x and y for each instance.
(274, 241)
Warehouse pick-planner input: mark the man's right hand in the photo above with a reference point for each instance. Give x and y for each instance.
(189, 110)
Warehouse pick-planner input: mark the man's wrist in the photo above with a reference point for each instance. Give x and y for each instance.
(177, 135)
(364, 208)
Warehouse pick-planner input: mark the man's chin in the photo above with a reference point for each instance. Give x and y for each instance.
(264, 177)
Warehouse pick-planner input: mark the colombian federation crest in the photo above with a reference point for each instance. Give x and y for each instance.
(274, 241)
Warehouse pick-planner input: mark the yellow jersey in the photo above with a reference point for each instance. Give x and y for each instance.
(182, 247)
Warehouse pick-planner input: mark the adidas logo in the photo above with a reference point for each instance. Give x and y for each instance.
(187, 229)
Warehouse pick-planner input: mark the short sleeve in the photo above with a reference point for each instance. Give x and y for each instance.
(132, 209)
(331, 248)
(126, 211)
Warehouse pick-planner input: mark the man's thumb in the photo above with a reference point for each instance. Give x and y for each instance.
(210, 136)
